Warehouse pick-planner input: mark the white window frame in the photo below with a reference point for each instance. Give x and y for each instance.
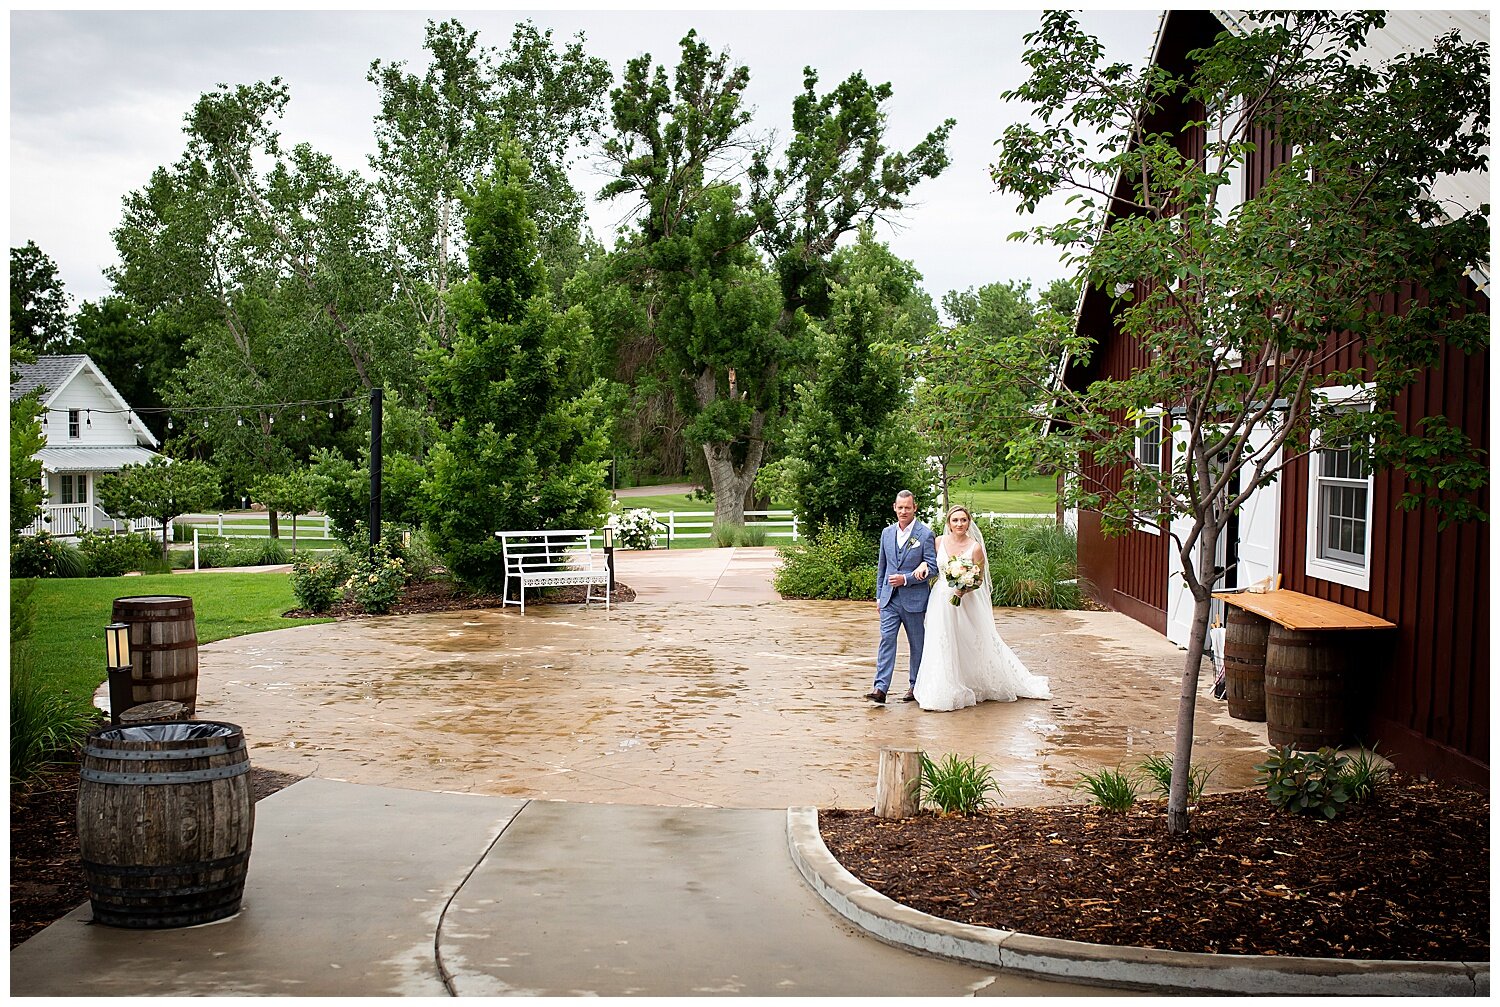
(1147, 415)
(1327, 568)
(75, 429)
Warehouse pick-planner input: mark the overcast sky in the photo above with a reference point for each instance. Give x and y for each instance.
(98, 99)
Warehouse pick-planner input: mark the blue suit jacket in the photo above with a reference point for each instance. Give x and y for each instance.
(921, 548)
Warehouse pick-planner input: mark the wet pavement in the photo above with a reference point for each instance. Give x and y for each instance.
(705, 691)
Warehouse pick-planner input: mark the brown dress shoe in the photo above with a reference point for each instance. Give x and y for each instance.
(910, 697)
(875, 696)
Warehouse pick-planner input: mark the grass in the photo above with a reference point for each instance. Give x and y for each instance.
(1031, 495)
(67, 645)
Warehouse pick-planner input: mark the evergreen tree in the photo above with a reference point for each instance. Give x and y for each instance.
(523, 438)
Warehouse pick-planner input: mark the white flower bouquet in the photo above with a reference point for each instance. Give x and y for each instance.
(962, 574)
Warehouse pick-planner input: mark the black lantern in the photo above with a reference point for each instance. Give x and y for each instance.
(117, 666)
(609, 554)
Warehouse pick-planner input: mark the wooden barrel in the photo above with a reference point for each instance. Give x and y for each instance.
(163, 649)
(1307, 700)
(147, 713)
(1245, 663)
(165, 819)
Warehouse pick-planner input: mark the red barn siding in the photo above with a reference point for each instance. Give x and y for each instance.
(1425, 685)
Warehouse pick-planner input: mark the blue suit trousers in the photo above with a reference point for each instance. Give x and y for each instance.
(892, 619)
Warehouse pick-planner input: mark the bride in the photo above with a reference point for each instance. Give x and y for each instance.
(964, 661)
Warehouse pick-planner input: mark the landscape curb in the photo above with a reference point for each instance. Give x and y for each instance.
(1109, 965)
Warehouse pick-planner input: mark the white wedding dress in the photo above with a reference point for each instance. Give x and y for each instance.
(964, 660)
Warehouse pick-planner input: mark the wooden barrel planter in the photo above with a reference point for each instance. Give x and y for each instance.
(1307, 698)
(165, 819)
(163, 649)
(1245, 663)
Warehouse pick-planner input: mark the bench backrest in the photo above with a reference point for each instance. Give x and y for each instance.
(529, 551)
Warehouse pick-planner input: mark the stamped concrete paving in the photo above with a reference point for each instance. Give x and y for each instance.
(701, 692)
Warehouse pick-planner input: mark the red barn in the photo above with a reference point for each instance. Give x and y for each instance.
(1428, 706)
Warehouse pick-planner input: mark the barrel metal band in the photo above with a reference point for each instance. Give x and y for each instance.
(138, 755)
(149, 646)
(166, 870)
(153, 779)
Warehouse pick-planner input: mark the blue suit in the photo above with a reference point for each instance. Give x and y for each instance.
(903, 606)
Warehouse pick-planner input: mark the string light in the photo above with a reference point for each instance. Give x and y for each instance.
(169, 423)
(239, 421)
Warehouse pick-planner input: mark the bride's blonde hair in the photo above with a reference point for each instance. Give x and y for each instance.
(954, 510)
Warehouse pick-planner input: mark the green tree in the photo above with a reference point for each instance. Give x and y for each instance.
(436, 133)
(38, 302)
(1241, 309)
(851, 444)
(138, 354)
(521, 446)
(26, 439)
(284, 493)
(161, 489)
(676, 144)
(978, 377)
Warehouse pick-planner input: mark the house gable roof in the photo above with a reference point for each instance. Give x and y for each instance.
(54, 373)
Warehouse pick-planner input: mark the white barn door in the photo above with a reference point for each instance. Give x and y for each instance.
(1257, 546)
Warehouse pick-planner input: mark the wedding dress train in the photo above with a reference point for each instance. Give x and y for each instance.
(965, 662)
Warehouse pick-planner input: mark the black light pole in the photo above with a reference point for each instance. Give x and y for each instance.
(375, 411)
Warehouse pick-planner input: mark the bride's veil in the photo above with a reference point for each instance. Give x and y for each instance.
(988, 589)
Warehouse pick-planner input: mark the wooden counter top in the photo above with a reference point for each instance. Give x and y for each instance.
(1300, 611)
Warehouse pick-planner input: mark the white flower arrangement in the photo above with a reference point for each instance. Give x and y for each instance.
(636, 529)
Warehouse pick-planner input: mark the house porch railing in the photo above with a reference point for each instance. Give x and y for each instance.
(72, 520)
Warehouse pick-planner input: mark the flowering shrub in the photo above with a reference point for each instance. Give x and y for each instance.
(110, 555)
(318, 581)
(34, 556)
(636, 529)
(377, 581)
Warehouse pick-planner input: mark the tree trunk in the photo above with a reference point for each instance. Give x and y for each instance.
(1187, 697)
(275, 528)
(730, 481)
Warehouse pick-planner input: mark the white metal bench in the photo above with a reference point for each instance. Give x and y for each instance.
(552, 559)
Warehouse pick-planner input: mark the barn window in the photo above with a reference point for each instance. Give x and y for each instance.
(1148, 453)
(1341, 496)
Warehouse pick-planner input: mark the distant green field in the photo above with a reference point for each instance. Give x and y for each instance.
(68, 640)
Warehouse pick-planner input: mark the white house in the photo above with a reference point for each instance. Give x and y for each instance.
(90, 431)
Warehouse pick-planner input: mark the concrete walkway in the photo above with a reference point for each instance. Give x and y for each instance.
(678, 728)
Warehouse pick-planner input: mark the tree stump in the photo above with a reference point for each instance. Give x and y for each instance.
(898, 783)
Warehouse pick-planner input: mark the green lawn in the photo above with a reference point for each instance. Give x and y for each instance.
(1032, 495)
(70, 616)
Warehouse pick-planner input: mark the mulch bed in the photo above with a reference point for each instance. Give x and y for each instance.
(46, 878)
(1404, 876)
(446, 596)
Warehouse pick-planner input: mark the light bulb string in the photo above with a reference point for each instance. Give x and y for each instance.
(274, 407)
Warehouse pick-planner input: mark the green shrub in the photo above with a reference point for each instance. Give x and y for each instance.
(214, 553)
(180, 559)
(45, 723)
(422, 560)
(958, 786)
(376, 581)
(1111, 789)
(1158, 769)
(1366, 774)
(34, 556)
(263, 552)
(1306, 782)
(318, 578)
(1033, 565)
(70, 561)
(729, 535)
(836, 563)
(110, 555)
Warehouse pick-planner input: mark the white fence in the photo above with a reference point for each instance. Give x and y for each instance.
(777, 523)
(72, 520)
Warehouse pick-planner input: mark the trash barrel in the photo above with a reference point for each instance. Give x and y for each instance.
(163, 649)
(165, 819)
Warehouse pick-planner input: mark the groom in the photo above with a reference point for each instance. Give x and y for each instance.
(908, 553)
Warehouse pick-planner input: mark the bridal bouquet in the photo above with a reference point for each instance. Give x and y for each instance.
(961, 573)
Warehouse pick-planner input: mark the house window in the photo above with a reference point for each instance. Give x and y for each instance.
(1341, 496)
(67, 488)
(72, 424)
(1148, 455)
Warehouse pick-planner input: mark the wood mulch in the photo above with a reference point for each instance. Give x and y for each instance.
(1404, 876)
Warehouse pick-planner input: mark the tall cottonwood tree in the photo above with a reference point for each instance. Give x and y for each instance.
(435, 133)
(1243, 313)
(677, 144)
(38, 302)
